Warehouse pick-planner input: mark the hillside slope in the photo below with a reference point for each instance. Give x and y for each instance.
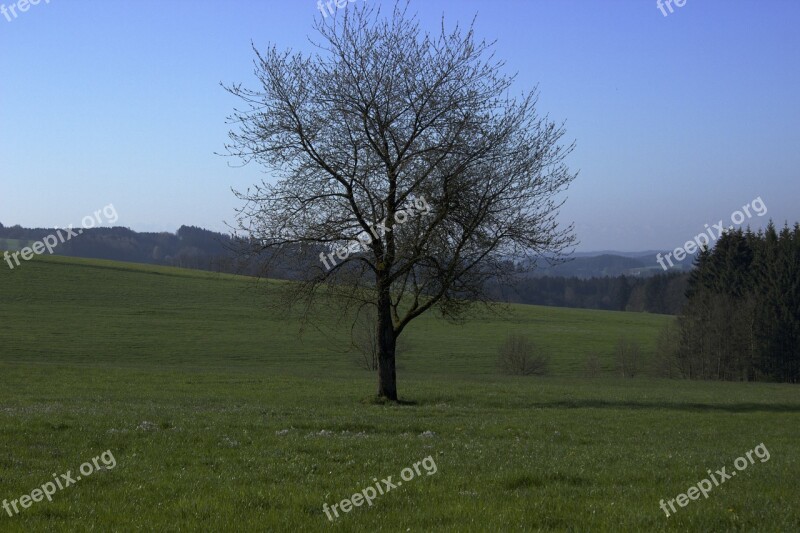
(77, 311)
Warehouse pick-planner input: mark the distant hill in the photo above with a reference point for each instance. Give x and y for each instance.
(588, 265)
(631, 282)
(198, 248)
(189, 247)
(638, 255)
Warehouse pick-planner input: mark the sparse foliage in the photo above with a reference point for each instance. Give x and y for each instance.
(381, 115)
(628, 356)
(520, 356)
(665, 361)
(591, 366)
(365, 340)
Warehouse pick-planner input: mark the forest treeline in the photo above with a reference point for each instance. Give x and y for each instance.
(189, 247)
(741, 321)
(662, 293)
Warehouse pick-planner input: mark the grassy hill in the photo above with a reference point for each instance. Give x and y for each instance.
(221, 417)
(102, 312)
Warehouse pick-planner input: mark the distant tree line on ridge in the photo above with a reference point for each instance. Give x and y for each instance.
(197, 248)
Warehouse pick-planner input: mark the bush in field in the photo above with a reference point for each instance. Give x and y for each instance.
(666, 363)
(592, 367)
(520, 356)
(629, 357)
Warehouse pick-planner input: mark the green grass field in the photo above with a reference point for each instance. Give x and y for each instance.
(222, 417)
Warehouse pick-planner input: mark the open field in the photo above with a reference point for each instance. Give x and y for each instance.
(123, 314)
(222, 418)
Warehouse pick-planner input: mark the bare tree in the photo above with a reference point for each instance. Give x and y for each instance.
(628, 357)
(665, 358)
(592, 367)
(364, 337)
(381, 117)
(520, 356)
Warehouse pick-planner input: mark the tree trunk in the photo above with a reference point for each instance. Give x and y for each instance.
(387, 377)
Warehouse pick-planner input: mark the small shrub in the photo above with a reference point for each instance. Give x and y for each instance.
(519, 356)
(592, 367)
(629, 357)
(665, 362)
(364, 338)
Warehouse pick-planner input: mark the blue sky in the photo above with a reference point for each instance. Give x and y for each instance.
(679, 121)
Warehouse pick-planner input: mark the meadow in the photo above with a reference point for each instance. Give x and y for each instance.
(222, 416)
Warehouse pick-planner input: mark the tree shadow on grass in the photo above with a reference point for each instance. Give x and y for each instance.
(671, 406)
(378, 400)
